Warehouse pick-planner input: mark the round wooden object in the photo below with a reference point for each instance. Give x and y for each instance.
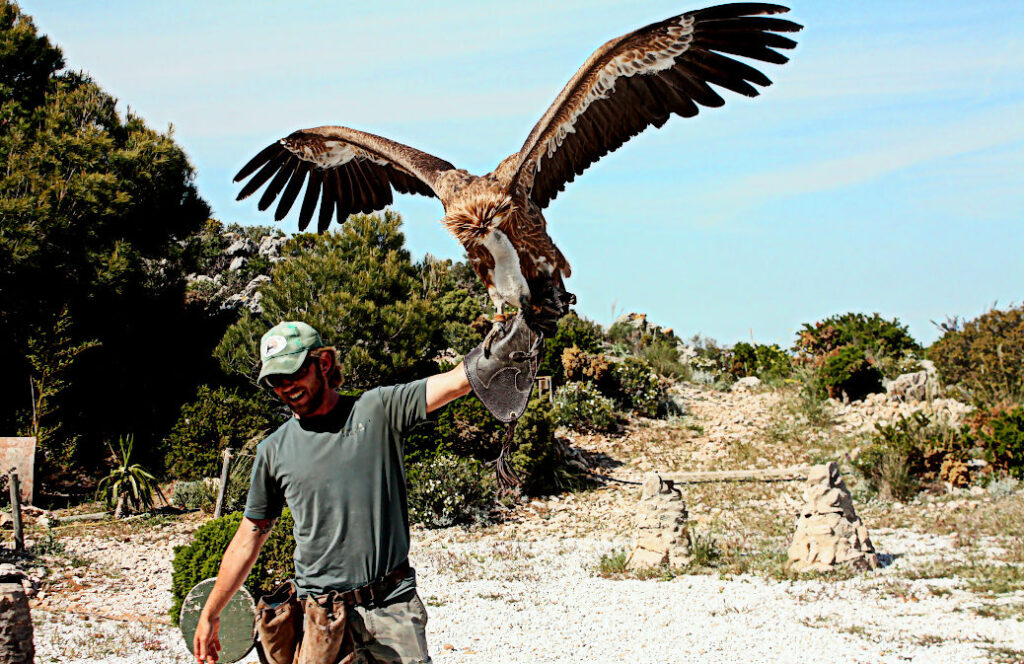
(237, 621)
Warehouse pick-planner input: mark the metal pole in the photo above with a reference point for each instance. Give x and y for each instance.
(222, 491)
(19, 535)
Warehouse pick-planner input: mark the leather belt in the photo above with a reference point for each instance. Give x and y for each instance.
(376, 591)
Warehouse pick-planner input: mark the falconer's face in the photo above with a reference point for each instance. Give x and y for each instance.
(303, 391)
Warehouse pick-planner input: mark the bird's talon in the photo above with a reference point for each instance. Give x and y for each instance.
(496, 327)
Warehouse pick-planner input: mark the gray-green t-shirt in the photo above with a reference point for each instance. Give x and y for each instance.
(343, 478)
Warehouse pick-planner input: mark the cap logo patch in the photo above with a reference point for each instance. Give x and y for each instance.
(273, 345)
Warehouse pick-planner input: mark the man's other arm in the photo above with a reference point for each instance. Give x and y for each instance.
(446, 387)
(238, 560)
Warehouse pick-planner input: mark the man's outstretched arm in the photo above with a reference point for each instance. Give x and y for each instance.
(238, 560)
(446, 387)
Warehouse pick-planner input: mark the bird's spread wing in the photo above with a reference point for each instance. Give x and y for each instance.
(640, 79)
(345, 170)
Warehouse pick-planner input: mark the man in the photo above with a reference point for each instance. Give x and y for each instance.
(338, 465)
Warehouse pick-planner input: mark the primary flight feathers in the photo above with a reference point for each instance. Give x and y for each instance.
(628, 84)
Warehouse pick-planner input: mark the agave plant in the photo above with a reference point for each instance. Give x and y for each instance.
(128, 484)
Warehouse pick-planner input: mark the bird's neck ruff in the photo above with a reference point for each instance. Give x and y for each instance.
(476, 216)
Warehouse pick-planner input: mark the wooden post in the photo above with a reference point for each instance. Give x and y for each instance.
(225, 468)
(19, 534)
(15, 626)
(544, 383)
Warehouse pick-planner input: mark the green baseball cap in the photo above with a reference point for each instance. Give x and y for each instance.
(284, 348)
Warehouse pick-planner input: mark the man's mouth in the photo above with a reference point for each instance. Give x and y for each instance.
(294, 395)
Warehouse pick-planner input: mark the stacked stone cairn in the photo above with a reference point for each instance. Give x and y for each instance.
(828, 532)
(662, 537)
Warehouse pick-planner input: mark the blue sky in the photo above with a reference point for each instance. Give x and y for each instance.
(883, 171)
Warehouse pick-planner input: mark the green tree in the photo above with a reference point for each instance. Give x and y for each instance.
(459, 300)
(93, 205)
(217, 418)
(50, 354)
(358, 287)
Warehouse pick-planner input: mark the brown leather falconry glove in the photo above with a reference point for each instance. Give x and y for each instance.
(503, 379)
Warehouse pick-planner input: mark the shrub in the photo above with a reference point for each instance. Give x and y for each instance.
(195, 495)
(710, 364)
(663, 356)
(810, 402)
(201, 558)
(656, 345)
(465, 429)
(572, 331)
(582, 406)
(848, 371)
(449, 489)
(907, 452)
(984, 357)
(1000, 432)
(537, 455)
(128, 485)
(637, 388)
(871, 333)
(216, 419)
(581, 366)
(764, 361)
(624, 332)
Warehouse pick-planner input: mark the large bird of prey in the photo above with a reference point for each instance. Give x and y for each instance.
(631, 83)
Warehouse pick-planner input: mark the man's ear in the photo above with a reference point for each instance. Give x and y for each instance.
(324, 361)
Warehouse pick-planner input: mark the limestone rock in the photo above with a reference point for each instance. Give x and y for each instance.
(828, 531)
(242, 246)
(270, 247)
(913, 387)
(745, 383)
(249, 297)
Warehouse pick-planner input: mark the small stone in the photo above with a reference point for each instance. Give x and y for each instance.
(641, 558)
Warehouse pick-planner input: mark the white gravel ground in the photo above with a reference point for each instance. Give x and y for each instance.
(541, 602)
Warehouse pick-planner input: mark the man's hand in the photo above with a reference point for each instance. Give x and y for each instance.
(238, 560)
(206, 644)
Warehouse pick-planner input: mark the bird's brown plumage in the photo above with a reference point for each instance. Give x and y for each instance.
(628, 84)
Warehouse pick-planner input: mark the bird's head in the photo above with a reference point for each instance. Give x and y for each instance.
(477, 216)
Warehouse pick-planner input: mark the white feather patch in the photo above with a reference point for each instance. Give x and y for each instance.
(337, 154)
(633, 62)
(509, 281)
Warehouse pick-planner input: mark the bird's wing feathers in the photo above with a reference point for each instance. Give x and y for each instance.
(639, 80)
(345, 170)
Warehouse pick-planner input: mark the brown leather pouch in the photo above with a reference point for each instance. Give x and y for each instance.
(325, 635)
(279, 625)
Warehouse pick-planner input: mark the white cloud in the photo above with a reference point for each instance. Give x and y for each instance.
(892, 151)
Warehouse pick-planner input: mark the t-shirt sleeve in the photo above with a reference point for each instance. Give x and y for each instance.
(265, 499)
(405, 405)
